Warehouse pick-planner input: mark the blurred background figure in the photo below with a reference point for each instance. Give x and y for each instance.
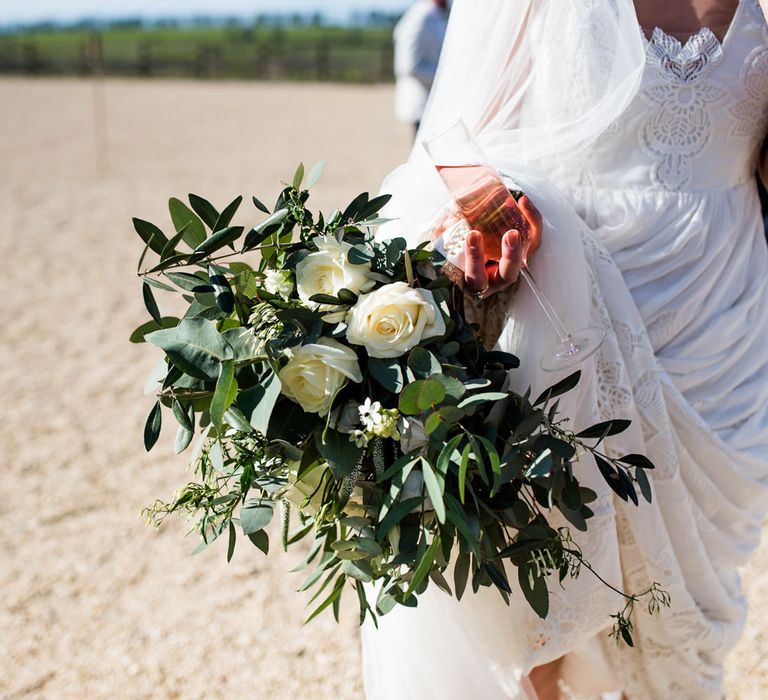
(418, 39)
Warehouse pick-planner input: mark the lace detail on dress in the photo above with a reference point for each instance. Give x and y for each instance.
(681, 123)
(750, 113)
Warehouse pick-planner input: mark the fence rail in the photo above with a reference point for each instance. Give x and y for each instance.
(360, 56)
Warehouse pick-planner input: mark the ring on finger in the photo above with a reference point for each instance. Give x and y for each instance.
(480, 294)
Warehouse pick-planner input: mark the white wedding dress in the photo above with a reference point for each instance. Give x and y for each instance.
(668, 253)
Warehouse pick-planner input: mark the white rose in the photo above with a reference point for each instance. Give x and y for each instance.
(279, 282)
(328, 270)
(316, 372)
(391, 320)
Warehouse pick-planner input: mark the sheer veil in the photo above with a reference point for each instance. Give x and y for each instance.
(534, 80)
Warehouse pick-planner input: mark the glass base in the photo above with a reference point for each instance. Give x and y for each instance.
(574, 350)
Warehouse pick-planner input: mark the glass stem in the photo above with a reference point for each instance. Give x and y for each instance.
(552, 315)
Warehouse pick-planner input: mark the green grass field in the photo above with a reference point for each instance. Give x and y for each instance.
(290, 53)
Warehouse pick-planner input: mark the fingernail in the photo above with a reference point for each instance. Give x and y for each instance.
(474, 239)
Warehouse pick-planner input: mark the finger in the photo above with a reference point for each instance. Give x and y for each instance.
(474, 263)
(511, 258)
(535, 221)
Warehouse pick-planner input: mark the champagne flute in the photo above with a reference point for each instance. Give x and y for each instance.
(489, 207)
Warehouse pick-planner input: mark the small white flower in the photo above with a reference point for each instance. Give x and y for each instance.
(279, 282)
(359, 437)
(370, 414)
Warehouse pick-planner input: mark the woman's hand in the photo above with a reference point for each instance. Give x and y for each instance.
(486, 278)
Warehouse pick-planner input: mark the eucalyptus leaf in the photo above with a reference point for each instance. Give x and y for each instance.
(387, 372)
(152, 426)
(258, 402)
(225, 393)
(204, 209)
(138, 335)
(184, 218)
(194, 346)
(151, 235)
(314, 174)
(256, 514)
(150, 303)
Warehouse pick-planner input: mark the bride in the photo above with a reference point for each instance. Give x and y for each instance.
(635, 129)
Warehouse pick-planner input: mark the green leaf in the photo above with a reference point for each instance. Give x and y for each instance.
(347, 297)
(152, 426)
(359, 255)
(225, 217)
(477, 399)
(182, 216)
(420, 395)
(298, 176)
(181, 414)
(424, 566)
(205, 210)
(435, 486)
(261, 540)
(225, 393)
(542, 465)
(234, 417)
(218, 240)
(443, 419)
(339, 451)
(157, 284)
(194, 346)
(259, 233)
(332, 598)
(463, 470)
(260, 205)
(372, 207)
(187, 281)
(150, 303)
(387, 372)
(645, 485)
(183, 438)
(256, 514)
(423, 363)
(612, 477)
(605, 429)
(350, 213)
(635, 460)
(534, 589)
(453, 387)
(151, 235)
(225, 299)
(314, 174)
(461, 574)
(165, 322)
(396, 514)
(258, 402)
(169, 251)
(561, 387)
(232, 541)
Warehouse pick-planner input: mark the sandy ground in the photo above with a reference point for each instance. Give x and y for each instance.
(94, 604)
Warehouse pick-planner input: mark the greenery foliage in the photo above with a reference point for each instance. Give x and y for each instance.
(422, 467)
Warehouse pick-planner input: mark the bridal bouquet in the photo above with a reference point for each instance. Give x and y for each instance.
(334, 377)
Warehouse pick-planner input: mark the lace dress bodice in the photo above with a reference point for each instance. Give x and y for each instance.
(700, 116)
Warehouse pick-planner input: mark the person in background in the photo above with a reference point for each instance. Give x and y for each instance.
(418, 39)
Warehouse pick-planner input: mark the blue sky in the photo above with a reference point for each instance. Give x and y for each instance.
(12, 11)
